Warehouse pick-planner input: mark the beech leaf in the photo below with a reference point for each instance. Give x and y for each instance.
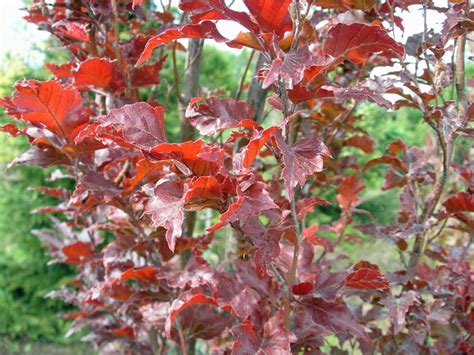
(185, 300)
(357, 42)
(217, 114)
(139, 125)
(206, 29)
(347, 192)
(165, 208)
(48, 105)
(398, 308)
(301, 160)
(334, 318)
(98, 72)
(367, 276)
(271, 15)
(250, 202)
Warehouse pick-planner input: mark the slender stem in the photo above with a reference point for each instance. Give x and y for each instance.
(460, 66)
(182, 341)
(244, 75)
(294, 264)
(175, 73)
(152, 335)
(427, 62)
(117, 45)
(431, 203)
(446, 148)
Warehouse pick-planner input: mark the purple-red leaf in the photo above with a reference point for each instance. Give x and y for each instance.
(98, 72)
(166, 208)
(461, 202)
(347, 192)
(363, 142)
(206, 29)
(139, 125)
(367, 276)
(185, 300)
(217, 114)
(47, 105)
(250, 202)
(398, 308)
(271, 15)
(357, 42)
(265, 242)
(276, 339)
(301, 160)
(333, 318)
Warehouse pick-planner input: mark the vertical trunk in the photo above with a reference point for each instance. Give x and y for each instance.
(256, 96)
(190, 90)
(190, 86)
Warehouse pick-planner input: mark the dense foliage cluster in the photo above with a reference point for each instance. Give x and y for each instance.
(145, 220)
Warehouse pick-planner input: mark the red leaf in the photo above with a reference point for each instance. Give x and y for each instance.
(123, 332)
(147, 273)
(328, 284)
(393, 161)
(301, 160)
(203, 192)
(44, 156)
(310, 234)
(303, 288)
(274, 340)
(398, 307)
(271, 15)
(48, 104)
(206, 29)
(199, 158)
(358, 42)
(301, 93)
(364, 143)
(77, 252)
(11, 129)
(74, 30)
(361, 93)
(250, 202)
(333, 318)
(258, 140)
(348, 190)
(145, 171)
(461, 202)
(265, 242)
(217, 114)
(185, 300)
(136, 3)
(60, 71)
(139, 125)
(147, 74)
(367, 279)
(201, 10)
(395, 147)
(98, 72)
(166, 209)
(306, 205)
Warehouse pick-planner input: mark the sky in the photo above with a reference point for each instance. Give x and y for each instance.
(18, 37)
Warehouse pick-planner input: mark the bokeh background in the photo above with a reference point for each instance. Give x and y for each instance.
(31, 322)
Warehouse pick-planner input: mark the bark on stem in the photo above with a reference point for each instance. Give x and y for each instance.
(190, 87)
(446, 147)
(256, 95)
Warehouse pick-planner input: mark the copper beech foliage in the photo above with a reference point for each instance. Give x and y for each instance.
(145, 284)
